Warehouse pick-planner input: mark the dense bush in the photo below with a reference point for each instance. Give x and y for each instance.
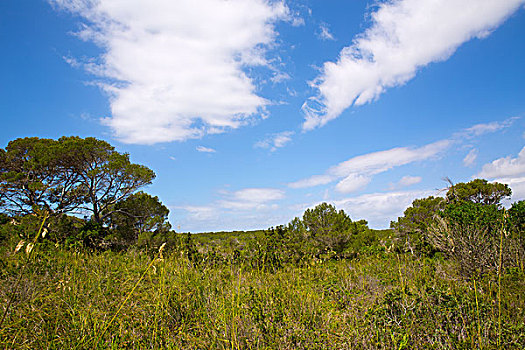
(471, 234)
(469, 226)
(412, 228)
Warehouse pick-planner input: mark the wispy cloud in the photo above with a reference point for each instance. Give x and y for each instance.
(470, 158)
(485, 128)
(313, 181)
(404, 36)
(174, 70)
(380, 208)
(279, 77)
(357, 172)
(275, 141)
(252, 198)
(324, 32)
(406, 181)
(205, 149)
(248, 208)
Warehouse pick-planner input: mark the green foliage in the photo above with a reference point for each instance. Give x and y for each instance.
(479, 191)
(61, 176)
(90, 235)
(36, 175)
(137, 214)
(151, 241)
(105, 175)
(474, 235)
(418, 217)
(325, 220)
(4, 219)
(72, 175)
(66, 299)
(517, 218)
(329, 229)
(516, 231)
(471, 212)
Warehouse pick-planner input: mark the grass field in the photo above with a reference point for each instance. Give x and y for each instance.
(67, 300)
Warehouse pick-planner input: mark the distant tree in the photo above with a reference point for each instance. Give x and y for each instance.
(138, 213)
(325, 220)
(419, 215)
(332, 230)
(479, 191)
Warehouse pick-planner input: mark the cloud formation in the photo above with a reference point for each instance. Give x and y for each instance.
(275, 141)
(245, 209)
(485, 128)
(470, 158)
(205, 149)
(404, 36)
(380, 208)
(508, 170)
(507, 167)
(357, 172)
(252, 198)
(174, 70)
(324, 32)
(406, 181)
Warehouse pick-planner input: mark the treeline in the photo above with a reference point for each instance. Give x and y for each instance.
(87, 195)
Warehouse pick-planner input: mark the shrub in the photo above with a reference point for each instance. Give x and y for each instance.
(469, 233)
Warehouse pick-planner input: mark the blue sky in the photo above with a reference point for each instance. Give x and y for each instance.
(251, 111)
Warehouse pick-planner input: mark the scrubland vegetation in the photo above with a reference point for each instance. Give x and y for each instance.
(449, 274)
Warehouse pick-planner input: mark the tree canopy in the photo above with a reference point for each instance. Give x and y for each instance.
(479, 191)
(138, 213)
(67, 175)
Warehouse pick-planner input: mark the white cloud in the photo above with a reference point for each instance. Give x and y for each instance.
(259, 195)
(205, 149)
(252, 199)
(246, 209)
(404, 36)
(279, 77)
(470, 158)
(508, 170)
(352, 183)
(312, 181)
(324, 32)
(275, 141)
(174, 69)
(406, 181)
(486, 128)
(200, 213)
(380, 208)
(507, 167)
(358, 171)
(378, 162)
(517, 185)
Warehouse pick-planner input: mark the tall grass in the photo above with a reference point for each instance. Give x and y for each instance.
(82, 300)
